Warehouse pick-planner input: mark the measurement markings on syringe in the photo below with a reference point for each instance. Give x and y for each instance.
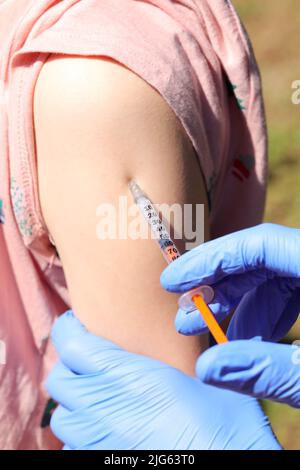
(160, 231)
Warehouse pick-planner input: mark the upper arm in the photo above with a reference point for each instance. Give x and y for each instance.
(97, 125)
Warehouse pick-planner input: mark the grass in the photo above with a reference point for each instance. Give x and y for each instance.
(274, 26)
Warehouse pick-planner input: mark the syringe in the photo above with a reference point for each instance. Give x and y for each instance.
(199, 296)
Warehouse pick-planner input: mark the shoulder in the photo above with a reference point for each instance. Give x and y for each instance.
(77, 81)
(85, 106)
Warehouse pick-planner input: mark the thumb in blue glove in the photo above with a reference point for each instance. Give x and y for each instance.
(256, 368)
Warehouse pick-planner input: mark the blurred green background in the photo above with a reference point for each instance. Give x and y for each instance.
(274, 28)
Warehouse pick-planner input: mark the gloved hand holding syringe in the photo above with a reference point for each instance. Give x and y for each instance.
(198, 297)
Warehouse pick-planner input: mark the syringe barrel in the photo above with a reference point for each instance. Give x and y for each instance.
(159, 230)
(166, 244)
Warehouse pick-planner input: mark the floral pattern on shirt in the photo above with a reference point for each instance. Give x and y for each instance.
(23, 216)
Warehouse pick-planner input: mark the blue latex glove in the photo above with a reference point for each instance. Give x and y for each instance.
(257, 269)
(261, 369)
(112, 399)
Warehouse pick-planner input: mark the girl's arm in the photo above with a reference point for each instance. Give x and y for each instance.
(97, 125)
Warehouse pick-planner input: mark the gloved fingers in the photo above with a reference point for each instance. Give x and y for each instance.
(257, 368)
(122, 382)
(53, 385)
(269, 310)
(78, 391)
(79, 350)
(207, 263)
(84, 429)
(192, 323)
(70, 389)
(267, 247)
(228, 294)
(59, 420)
(212, 261)
(70, 427)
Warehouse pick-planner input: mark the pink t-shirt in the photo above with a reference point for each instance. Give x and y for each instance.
(196, 54)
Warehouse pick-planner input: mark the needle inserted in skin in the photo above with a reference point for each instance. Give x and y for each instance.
(199, 296)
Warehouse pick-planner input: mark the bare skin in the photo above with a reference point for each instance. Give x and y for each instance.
(98, 125)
